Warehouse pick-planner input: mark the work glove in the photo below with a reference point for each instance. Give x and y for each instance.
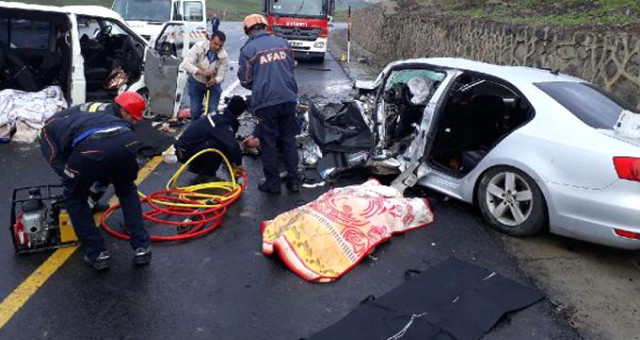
(169, 155)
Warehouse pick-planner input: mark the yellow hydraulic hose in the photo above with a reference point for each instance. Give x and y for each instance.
(231, 189)
(206, 105)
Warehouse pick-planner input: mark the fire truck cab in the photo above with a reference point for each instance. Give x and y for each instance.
(304, 23)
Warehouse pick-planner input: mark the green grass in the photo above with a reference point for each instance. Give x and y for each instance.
(235, 9)
(564, 12)
(105, 3)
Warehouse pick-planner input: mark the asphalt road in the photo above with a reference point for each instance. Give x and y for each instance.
(221, 286)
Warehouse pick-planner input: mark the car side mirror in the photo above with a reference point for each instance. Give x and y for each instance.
(168, 49)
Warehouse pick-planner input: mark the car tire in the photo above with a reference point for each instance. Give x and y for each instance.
(511, 202)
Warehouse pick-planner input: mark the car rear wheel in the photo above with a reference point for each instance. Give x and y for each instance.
(511, 202)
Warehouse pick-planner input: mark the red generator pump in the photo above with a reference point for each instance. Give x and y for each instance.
(39, 221)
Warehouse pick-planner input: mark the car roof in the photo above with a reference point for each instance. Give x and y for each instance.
(512, 74)
(96, 11)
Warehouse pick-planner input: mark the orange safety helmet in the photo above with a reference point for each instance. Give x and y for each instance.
(132, 102)
(252, 20)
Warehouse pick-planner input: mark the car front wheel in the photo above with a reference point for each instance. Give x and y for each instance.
(511, 202)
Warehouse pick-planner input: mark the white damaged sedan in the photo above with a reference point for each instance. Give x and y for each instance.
(534, 149)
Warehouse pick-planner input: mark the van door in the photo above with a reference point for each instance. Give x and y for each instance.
(162, 76)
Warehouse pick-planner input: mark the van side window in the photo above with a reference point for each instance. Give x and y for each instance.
(4, 32)
(29, 34)
(193, 11)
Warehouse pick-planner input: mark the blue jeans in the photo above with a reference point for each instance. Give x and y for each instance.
(197, 93)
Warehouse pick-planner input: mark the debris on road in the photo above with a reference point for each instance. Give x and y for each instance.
(152, 141)
(453, 300)
(324, 239)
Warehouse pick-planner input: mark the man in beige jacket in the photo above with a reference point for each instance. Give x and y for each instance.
(207, 64)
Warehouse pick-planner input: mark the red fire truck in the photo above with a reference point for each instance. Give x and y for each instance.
(304, 23)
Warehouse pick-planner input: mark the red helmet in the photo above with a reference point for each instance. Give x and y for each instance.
(253, 19)
(133, 103)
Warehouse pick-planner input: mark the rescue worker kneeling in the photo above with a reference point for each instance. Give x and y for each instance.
(212, 132)
(98, 147)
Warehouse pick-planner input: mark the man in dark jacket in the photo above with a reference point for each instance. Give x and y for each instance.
(266, 67)
(100, 147)
(215, 23)
(212, 132)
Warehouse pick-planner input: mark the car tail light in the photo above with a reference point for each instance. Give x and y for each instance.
(627, 168)
(627, 234)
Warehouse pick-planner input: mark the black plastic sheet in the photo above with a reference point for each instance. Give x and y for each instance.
(454, 300)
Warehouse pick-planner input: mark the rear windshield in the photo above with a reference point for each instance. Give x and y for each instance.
(590, 104)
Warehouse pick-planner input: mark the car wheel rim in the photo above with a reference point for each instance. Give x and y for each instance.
(509, 198)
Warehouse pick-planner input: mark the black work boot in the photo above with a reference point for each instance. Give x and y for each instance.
(264, 188)
(293, 186)
(142, 256)
(99, 207)
(101, 262)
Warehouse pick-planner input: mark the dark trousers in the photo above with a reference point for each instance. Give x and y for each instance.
(278, 129)
(197, 93)
(206, 164)
(108, 160)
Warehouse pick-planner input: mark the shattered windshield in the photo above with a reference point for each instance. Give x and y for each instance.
(144, 10)
(313, 8)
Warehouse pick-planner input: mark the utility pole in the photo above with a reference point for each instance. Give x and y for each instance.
(349, 34)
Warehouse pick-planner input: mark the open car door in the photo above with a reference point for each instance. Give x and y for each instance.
(407, 91)
(162, 75)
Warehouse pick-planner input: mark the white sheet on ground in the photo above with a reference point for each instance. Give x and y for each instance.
(27, 111)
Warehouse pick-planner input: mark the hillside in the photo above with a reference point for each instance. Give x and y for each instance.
(566, 12)
(232, 9)
(570, 12)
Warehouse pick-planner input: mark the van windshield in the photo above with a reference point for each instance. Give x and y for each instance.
(143, 10)
(301, 8)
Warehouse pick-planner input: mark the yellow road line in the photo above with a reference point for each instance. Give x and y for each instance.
(148, 168)
(19, 297)
(28, 287)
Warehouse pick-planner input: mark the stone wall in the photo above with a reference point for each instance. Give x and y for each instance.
(601, 55)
